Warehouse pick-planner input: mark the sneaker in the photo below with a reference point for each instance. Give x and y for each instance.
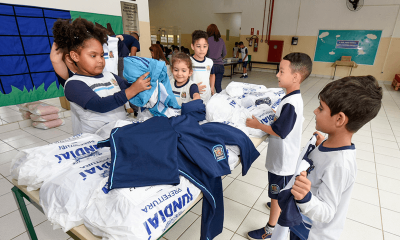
(259, 234)
(246, 76)
(242, 76)
(268, 205)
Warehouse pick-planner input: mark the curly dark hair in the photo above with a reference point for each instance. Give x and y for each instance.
(359, 98)
(197, 34)
(71, 36)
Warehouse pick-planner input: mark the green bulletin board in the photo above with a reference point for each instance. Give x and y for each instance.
(361, 45)
(115, 21)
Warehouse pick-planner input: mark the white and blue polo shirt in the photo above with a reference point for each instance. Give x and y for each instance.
(283, 151)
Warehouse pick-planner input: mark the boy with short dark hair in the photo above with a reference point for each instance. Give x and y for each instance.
(244, 53)
(324, 195)
(285, 134)
(203, 74)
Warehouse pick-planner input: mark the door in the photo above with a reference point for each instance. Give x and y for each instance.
(275, 51)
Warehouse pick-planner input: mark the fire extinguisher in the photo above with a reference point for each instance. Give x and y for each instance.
(255, 44)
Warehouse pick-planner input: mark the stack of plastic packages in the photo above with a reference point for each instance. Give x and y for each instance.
(240, 101)
(45, 116)
(23, 109)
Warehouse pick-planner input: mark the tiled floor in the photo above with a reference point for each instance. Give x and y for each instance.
(374, 212)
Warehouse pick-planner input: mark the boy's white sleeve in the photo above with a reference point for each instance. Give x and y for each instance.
(323, 204)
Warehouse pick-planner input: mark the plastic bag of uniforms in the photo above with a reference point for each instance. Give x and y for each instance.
(237, 89)
(32, 166)
(137, 213)
(67, 194)
(264, 115)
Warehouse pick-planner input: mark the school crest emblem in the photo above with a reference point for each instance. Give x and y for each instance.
(219, 153)
(111, 54)
(274, 189)
(183, 95)
(114, 82)
(208, 67)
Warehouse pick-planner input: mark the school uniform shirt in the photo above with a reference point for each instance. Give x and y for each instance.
(244, 52)
(201, 73)
(332, 182)
(111, 55)
(102, 91)
(184, 94)
(283, 151)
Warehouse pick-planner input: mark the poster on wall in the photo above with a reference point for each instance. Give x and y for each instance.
(26, 37)
(361, 45)
(130, 17)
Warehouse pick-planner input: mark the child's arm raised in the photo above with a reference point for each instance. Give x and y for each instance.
(56, 58)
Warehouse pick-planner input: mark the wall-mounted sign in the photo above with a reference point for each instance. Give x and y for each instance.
(130, 18)
(347, 44)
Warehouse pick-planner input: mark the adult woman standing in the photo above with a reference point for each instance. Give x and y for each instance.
(216, 51)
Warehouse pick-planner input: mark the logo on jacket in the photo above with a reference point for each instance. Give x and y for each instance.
(114, 82)
(274, 189)
(183, 95)
(219, 153)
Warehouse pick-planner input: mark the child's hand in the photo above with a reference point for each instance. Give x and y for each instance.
(202, 88)
(301, 186)
(252, 122)
(320, 138)
(140, 85)
(212, 92)
(129, 110)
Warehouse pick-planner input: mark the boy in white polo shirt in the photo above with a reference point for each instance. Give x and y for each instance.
(324, 195)
(202, 65)
(285, 134)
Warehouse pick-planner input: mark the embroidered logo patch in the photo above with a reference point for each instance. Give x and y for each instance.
(111, 54)
(219, 153)
(274, 189)
(208, 68)
(183, 95)
(114, 82)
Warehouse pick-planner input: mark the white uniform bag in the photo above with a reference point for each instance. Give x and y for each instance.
(67, 194)
(32, 166)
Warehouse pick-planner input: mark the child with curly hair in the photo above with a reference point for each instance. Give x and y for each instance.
(96, 97)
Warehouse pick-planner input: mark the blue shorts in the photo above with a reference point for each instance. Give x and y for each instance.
(301, 232)
(245, 64)
(276, 183)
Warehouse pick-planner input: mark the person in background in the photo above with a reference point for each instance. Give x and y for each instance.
(157, 54)
(182, 48)
(176, 50)
(92, 104)
(186, 51)
(244, 53)
(216, 51)
(235, 52)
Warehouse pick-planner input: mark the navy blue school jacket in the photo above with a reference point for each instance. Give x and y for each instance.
(158, 150)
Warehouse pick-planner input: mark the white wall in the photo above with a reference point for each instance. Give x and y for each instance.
(291, 17)
(110, 7)
(229, 21)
